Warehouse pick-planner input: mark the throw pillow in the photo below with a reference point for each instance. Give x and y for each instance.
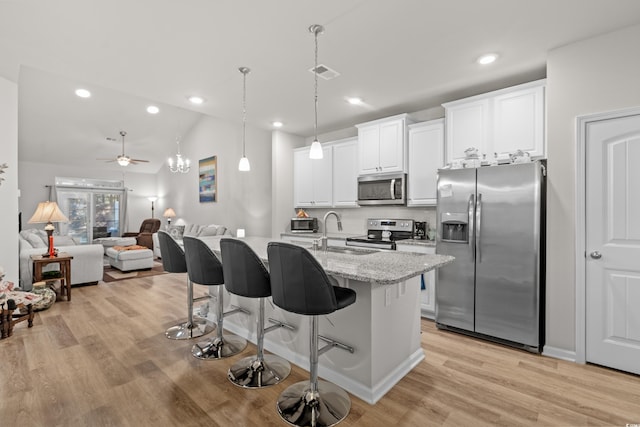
(209, 230)
(192, 230)
(34, 238)
(221, 230)
(176, 231)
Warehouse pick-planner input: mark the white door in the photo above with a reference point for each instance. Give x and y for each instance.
(613, 243)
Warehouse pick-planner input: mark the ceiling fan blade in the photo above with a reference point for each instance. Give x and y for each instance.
(107, 160)
(139, 161)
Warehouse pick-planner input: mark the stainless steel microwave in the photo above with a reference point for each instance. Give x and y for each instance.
(304, 225)
(382, 189)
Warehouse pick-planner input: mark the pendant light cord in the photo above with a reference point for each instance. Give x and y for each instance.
(315, 75)
(244, 109)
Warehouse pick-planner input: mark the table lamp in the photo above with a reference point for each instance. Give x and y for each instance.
(169, 213)
(48, 212)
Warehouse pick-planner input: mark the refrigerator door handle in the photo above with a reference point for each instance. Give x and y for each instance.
(471, 233)
(478, 227)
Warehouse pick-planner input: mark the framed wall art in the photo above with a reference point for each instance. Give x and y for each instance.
(208, 179)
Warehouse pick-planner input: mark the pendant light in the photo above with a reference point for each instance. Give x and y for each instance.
(244, 165)
(316, 149)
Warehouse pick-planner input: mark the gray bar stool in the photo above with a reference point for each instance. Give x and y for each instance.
(300, 285)
(204, 268)
(246, 275)
(173, 261)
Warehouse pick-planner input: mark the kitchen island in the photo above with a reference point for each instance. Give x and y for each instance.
(383, 326)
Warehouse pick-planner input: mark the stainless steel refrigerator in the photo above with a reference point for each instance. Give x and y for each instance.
(492, 220)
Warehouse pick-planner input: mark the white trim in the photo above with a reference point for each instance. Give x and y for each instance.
(580, 217)
(559, 353)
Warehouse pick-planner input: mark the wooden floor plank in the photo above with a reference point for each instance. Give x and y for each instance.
(103, 360)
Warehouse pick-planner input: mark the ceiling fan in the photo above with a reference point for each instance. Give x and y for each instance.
(122, 159)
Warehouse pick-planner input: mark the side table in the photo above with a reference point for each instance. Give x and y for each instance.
(64, 260)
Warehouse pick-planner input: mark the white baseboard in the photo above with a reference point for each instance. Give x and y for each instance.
(558, 353)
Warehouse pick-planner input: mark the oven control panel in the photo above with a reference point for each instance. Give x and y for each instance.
(390, 224)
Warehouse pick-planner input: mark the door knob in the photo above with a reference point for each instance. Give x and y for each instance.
(596, 255)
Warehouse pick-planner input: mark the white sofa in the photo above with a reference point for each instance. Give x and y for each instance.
(86, 265)
(196, 230)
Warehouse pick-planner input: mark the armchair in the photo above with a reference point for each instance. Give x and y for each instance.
(145, 236)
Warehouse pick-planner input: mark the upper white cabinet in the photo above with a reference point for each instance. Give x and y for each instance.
(426, 156)
(312, 179)
(345, 173)
(382, 145)
(500, 122)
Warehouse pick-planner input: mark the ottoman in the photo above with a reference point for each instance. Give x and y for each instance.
(109, 242)
(132, 259)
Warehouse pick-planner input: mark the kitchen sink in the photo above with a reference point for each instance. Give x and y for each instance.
(350, 251)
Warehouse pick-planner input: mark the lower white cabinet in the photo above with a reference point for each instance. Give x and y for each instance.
(426, 281)
(426, 156)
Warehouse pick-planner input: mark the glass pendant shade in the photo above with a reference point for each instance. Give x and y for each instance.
(316, 151)
(244, 165)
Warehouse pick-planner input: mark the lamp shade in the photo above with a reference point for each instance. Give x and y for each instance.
(316, 150)
(169, 213)
(48, 212)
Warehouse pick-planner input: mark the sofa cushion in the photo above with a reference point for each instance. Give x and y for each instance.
(63, 241)
(36, 238)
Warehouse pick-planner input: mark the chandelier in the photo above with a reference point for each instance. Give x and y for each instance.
(179, 164)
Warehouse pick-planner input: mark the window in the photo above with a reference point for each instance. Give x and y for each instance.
(94, 207)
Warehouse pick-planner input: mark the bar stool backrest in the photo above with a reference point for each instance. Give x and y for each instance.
(299, 284)
(172, 254)
(244, 272)
(203, 266)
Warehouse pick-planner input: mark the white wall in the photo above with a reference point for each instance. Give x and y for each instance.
(590, 76)
(281, 179)
(9, 187)
(33, 177)
(243, 199)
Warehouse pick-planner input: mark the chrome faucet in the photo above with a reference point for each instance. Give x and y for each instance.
(323, 239)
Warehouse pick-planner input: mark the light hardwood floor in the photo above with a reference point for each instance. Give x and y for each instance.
(102, 360)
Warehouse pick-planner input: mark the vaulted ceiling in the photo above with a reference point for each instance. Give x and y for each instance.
(398, 56)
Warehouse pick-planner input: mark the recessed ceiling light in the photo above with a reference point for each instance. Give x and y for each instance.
(277, 124)
(152, 109)
(354, 101)
(487, 59)
(83, 93)
(194, 99)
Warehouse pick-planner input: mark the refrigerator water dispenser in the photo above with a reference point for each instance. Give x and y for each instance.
(455, 227)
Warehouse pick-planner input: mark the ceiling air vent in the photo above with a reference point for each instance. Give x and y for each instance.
(325, 72)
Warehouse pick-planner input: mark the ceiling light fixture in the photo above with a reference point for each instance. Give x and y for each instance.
(197, 100)
(487, 59)
(152, 109)
(83, 93)
(244, 165)
(277, 124)
(181, 165)
(354, 101)
(316, 149)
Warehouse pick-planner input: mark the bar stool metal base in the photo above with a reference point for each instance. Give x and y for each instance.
(187, 330)
(251, 372)
(217, 348)
(298, 406)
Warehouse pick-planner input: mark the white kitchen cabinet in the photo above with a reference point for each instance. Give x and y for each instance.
(428, 294)
(312, 179)
(500, 122)
(382, 145)
(426, 156)
(345, 173)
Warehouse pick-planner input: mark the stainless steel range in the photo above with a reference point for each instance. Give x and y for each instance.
(383, 233)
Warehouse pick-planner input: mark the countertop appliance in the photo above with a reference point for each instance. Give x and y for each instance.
(420, 230)
(304, 225)
(382, 189)
(383, 233)
(492, 220)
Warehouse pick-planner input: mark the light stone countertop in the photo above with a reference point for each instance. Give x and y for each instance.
(382, 267)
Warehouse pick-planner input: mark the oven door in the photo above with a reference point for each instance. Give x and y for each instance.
(382, 190)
